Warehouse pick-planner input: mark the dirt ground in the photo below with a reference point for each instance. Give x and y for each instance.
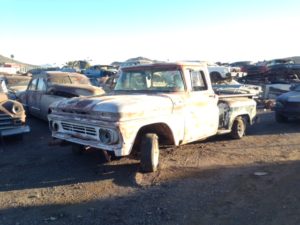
(218, 181)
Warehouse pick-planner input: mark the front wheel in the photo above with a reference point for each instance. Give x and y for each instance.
(238, 128)
(149, 152)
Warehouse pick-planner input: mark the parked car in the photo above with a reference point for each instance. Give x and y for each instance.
(16, 84)
(288, 105)
(100, 71)
(52, 86)
(234, 87)
(12, 114)
(107, 83)
(218, 73)
(240, 66)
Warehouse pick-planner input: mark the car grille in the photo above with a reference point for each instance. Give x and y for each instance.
(79, 128)
(6, 121)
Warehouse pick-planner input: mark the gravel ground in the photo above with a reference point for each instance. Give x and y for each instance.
(218, 181)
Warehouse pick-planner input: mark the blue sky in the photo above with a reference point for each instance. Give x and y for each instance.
(56, 31)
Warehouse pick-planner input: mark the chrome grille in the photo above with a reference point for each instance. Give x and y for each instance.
(79, 128)
(5, 121)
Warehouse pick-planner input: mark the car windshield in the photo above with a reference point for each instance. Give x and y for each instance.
(69, 80)
(17, 81)
(150, 80)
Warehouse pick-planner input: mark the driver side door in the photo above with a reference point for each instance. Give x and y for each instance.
(201, 111)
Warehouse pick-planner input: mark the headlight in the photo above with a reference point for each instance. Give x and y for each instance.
(54, 126)
(108, 116)
(13, 107)
(108, 136)
(16, 109)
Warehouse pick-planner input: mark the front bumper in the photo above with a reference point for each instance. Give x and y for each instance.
(117, 149)
(15, 131)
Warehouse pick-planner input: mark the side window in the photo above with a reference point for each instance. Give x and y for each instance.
(41, 85)
(32, 85)
(198, 80)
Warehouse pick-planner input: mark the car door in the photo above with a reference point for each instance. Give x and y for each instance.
(202, 114)
(36, 96)
(30, 96)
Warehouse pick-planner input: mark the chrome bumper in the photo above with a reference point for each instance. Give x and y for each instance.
(15, 131)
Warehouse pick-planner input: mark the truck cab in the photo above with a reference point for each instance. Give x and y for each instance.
(151, 105)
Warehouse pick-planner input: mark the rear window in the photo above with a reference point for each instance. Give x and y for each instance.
(69, 80)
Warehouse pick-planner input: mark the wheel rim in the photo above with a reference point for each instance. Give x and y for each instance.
(240, 129)
(155, 155)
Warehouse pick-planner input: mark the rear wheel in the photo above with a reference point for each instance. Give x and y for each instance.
(238, 128)
(280, 118)
(149, 152)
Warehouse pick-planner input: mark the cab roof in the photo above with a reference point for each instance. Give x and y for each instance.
(165, 65)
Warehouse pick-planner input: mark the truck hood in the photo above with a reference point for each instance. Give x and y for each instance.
(114, 107)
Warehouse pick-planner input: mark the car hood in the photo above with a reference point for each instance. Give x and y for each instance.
(3, 97)
(118, 106)
(291, 96)
(75, 90)
(16, 89)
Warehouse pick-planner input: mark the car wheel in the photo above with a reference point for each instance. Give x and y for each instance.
(149, 153)
(238, 128)
(280, 118)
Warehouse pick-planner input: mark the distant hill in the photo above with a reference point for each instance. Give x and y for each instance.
(4, 59)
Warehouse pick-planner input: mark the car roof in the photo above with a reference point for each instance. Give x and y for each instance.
(58, 73)
(164, 65)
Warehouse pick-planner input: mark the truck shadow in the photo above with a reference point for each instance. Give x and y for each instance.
(32, 163)
(234, 195)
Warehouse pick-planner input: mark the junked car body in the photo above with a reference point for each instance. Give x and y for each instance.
(16, 84)
(167, 103)
(12, 114)
(288, 105)
(52, 86)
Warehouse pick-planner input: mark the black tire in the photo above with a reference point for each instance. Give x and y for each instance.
(280, 118)
(238, 128)
(149, 153)
(77, 149)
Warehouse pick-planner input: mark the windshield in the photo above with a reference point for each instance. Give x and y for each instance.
(69, 80)
(14, 81)
(150, 80)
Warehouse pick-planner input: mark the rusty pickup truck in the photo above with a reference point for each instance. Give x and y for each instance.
(151, 105)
